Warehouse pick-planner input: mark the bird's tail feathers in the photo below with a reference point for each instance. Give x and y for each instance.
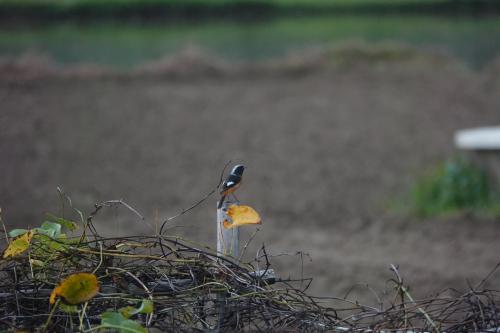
(221, 201)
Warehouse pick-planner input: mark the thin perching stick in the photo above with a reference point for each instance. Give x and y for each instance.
(199, 202)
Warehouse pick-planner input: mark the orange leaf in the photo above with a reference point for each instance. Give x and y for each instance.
(241, 215)
(54, 294)
(18, 245)
(76, 288)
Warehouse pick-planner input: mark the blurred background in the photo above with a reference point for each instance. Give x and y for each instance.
(344, 113)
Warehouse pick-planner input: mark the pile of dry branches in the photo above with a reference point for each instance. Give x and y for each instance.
(192, 288)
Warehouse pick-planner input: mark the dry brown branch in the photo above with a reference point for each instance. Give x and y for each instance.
(183, 281)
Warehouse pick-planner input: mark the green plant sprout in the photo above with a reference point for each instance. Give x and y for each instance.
(454, 186)
(120, 321)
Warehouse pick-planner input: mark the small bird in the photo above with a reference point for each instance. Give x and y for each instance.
(232, 182)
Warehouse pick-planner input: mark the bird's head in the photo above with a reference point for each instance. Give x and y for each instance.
(238, 170)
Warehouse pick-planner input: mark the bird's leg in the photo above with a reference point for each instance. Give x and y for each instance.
(235, 198)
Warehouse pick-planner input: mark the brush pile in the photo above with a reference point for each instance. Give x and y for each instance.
(164, 283)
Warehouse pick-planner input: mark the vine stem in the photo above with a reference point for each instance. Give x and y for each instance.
(49, 318)
(82, 314)
(408, 295)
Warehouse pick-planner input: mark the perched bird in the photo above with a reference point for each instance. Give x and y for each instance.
(232, 182)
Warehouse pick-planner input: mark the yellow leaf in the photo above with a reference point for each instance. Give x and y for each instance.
(130, 244)
(18, 245)
(241, 215)
(36, 262)
(75, 289)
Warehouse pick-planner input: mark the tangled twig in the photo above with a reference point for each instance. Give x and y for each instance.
(185, 283)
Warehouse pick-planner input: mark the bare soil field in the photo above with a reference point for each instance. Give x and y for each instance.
(327, 151)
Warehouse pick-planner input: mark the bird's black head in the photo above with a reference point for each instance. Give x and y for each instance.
(238, 170)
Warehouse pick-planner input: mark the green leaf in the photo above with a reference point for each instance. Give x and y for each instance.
(17, 232)
(146, 307)
(127, 311)
(54, 245)
(70, 225)
(118, 322)
(68, 308)
(50, 229)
